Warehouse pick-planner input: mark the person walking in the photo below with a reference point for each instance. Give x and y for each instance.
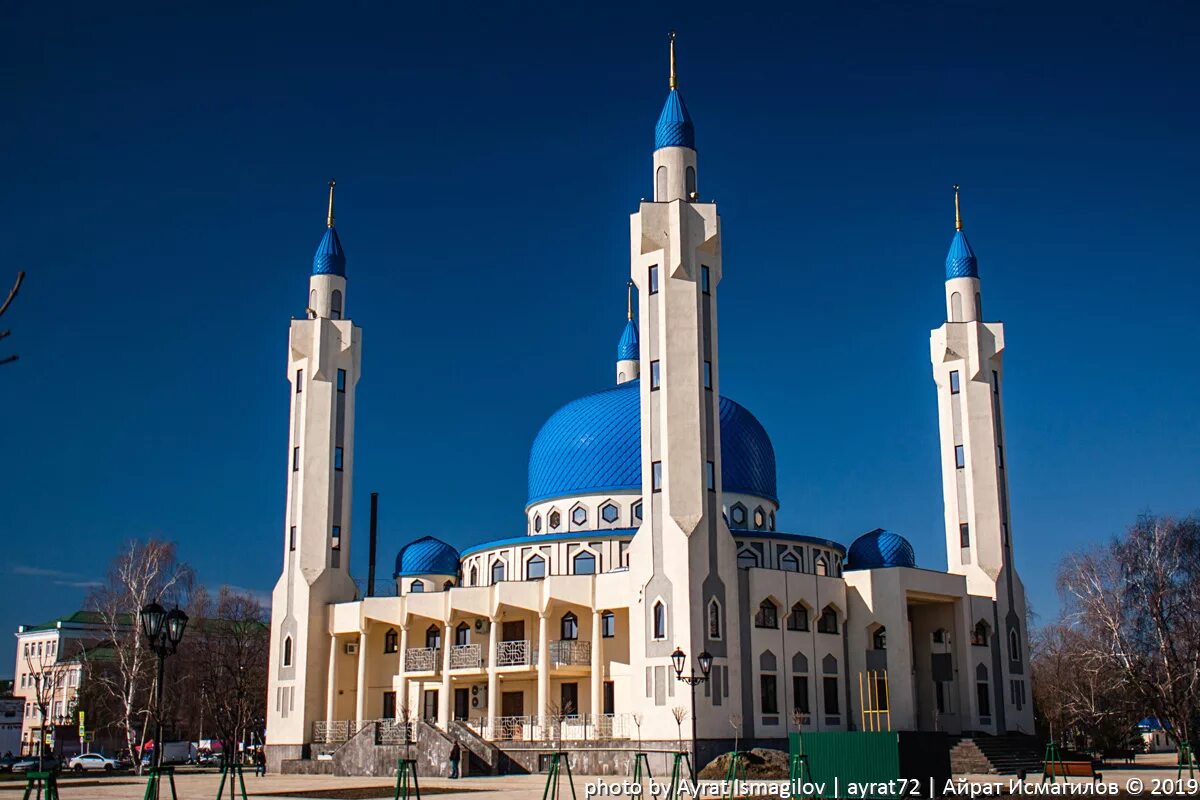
(260, 763)
(455, 757)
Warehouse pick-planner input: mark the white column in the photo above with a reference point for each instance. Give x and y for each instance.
(597, 668)
(402, 677)
(543, 669)
(493, 695)
(444, 694)
(360, 699)
(331, 684)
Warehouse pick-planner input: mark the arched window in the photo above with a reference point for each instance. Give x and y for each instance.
(714, 619)
(608, 625)
(570, 627)
(798, 619)
(983, 696)
(691, 182)
(391, 641)
(474, 576)
(585, 564)
(981, 634)
(956, 307)
(660, 620)
(789, 562)
(535, 568)
(497, 571)
(747, 559)
(287, 652)
(660, 185)
(335, 304)
(433, 637)
(879, 638)
(828, 623)
(1014, 645)
(416, 587)
(821, 566)
(767, 616)
(462, 634)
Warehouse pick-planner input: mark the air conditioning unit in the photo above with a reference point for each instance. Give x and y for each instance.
(351, 648)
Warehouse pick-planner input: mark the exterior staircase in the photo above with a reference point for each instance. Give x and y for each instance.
(1009, 754)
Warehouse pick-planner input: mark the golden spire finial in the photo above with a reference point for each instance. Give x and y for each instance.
(671, 38)
(329, 219)
(957, 212)
(629, 300)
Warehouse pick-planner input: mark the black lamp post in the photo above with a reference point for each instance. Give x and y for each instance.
(679, 660)
(164, 631)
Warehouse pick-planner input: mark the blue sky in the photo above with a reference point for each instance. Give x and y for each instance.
(165, 171)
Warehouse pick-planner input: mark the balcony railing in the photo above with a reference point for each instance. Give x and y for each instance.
(570, 652)
(466, 656)
(572, 727)
(418, 659)
(387, 731)
(514, 653)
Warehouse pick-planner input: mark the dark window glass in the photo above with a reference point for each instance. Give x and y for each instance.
(655, 376)
(964, 535)
(535, 568)
(710, 476)
(609, 513)
(704, 284)
(570, 627)
(295, 458)
(770, 694)
(1000, 456)
(497, 572)
(879, 639)
(390, 641)
(341, 380)
(287, 652)
(831, 695)
(338, 455)
(707, 374)
(654, 280)
(637, 510)
(537, 523)
(984, 698)
(656, 475)
(954, 387)
(960, 456)
(660, 621)
(789, 563)
(579, 515)
(299, 381)
(417, 587)
(767, 616)
(336, 535)
(828, 623)
(608, 625)
(800, 694)
(555, 519)
(714, 620)
(798, 619)
(995, 382)
(292, 538)
(747, 559)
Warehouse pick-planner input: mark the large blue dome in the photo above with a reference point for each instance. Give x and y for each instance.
(880, 548)
(593, 445)
(426, 556)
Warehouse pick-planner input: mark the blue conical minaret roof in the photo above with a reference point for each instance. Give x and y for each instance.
(330, 258)
(674, 128)
(628, 348)
(960, 260)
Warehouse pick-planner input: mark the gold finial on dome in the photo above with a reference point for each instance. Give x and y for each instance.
(957, 212)
(329, 219)
(629, 300)
(671, 38)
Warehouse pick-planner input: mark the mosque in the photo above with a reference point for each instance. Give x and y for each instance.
(655, 549)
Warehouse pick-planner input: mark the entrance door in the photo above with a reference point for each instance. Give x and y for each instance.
(462, 703)
(513, 631)
(429, 705)
(389, 705)
(610, 698)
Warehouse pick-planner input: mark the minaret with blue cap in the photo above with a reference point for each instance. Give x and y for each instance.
(674, 146)
(627, 346)
(967, 355)
(324, 356)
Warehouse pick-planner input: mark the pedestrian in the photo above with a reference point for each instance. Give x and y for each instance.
(455, 757)
(260, 763)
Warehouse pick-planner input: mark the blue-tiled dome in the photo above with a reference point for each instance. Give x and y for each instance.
(594, 445)
(330, 260)
(960, 261)
(674, 128)
(627, 347)
(426, 556)
(880, 548)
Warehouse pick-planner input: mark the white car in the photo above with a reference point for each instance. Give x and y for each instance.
(91, 761)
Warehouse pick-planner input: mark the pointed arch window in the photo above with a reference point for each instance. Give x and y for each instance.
(535, 568)
(980, 634)
(335, 304)
(391, 642)
(585, 564)
(714, 619)
(747, 559)
(879, 638)
(821, 566)
(569, 629)
(497, 571)
(768, 615)
(287, 651)
(983, 694)
(433, 637)
(660, 620)
(798, 619)
(789, 563)
(1014, 645)
(474, 576)
(462, 635)
(416, 587)
(828, 623)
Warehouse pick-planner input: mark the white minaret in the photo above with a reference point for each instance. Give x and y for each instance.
(683, 556)
(968, 369)
(323, 368)
(628, 345)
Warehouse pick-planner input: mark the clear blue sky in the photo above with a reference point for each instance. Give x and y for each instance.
(165, 170)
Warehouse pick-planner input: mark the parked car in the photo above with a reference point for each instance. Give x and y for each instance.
(6, 763)
(30, 764)
(92, 761)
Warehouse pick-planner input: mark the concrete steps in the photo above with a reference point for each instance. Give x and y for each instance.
(1009, 754)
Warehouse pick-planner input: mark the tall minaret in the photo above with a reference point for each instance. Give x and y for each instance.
(967, 356)
(683, 556)
(323, 368)
(627, 345)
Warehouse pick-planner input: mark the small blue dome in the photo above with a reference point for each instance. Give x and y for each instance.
(426, 556)
(330, 260)
(960, 261)
(880, 548)
(594, 445)
(674, 128)
(627, 347)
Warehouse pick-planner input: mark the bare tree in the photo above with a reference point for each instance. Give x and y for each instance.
(144, 572)
(12, 294)
(680, 713)
(1136, 605)
(735, 722)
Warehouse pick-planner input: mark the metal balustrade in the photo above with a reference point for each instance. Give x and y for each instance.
(418, 659)
(514, 653)
(387, 731)
(569, 728)
(466, 656)
(571, 652)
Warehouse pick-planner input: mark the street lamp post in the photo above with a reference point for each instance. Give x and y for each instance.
(163, 630)
(679, 660)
